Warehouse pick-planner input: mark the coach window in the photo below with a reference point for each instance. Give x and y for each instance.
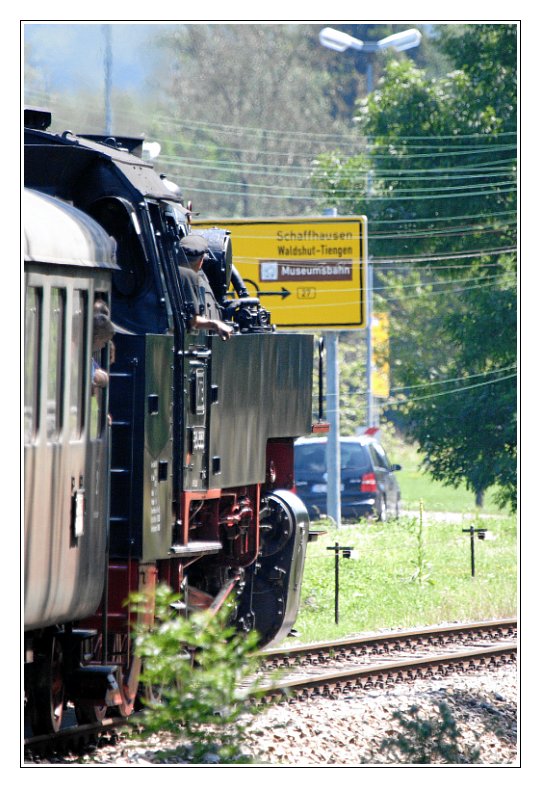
(55, 362)
(31, 362)
(77, 364)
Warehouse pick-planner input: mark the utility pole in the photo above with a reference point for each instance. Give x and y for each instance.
(108, 77)
(334, 504)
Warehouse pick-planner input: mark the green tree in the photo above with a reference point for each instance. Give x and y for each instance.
(247, 105)
(437, 179)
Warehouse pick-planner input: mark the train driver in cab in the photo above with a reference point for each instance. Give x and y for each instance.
(203, 310)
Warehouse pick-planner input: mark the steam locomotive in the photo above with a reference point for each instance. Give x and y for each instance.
(181, 469)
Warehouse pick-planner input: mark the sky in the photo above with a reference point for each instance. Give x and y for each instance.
(72, 55)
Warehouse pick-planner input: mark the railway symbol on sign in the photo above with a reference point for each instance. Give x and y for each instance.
(313, 271)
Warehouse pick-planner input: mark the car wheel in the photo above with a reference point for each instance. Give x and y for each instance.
(382, 510)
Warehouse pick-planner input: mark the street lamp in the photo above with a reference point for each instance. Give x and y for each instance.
(339, 41)
(406, 39)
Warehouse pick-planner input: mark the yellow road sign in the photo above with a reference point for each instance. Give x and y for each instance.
(380, 355)
(308, 272)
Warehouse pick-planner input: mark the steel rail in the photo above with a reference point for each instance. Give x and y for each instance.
(403, 667)
(389, 637)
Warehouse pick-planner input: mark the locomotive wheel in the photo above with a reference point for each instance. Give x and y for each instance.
(48, 690)
(277, 526)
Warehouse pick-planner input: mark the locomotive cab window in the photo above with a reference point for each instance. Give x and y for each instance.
(117, 216)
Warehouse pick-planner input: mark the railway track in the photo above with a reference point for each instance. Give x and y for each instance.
(381, 660)
(385, 659)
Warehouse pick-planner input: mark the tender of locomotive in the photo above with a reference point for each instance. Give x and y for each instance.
(181, 470)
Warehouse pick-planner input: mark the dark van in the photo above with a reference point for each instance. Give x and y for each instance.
(369, 484)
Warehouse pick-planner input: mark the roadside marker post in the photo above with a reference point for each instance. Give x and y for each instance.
(346, 553)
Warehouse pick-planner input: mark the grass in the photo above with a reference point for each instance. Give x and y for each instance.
(407, 576)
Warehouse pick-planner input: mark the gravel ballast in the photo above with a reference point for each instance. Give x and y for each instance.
(349, 730)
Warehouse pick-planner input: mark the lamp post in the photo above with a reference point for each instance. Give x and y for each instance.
(339, 41)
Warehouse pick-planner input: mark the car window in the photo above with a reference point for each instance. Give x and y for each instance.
(380, 457)
(353, 455)
(309, 459)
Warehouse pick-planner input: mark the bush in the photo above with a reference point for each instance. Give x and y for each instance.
(434, 740)
(192, 668)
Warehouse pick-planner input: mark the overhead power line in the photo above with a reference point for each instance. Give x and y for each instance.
(433, 293)
(306, 197)
(409, 400)
(434, 219)
(400, 402)
(487, 281)
(374, 156)
(389, 260)
(250, 130)
(445, 282)
(199, 126)
(444, 233)
(451, 255)
(308, 171)
(454, 380)
(345, 193)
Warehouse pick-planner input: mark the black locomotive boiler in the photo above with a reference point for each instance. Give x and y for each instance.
(181, 469)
